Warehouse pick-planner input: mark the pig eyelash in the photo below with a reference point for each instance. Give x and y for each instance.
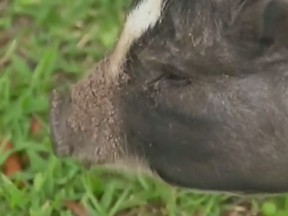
(169, 75)
(172, 79)
(175, 77)
(169, 78)
(176, 80)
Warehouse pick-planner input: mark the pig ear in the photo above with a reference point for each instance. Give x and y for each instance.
(261, 20)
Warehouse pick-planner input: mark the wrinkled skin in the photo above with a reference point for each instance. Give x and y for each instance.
(200, 100)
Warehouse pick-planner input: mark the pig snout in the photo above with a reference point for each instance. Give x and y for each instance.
(84, 122)
(61, 135)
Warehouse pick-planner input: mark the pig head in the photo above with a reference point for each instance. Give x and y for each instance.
(195, 92)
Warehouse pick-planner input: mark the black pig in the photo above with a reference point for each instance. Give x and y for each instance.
(195, 92)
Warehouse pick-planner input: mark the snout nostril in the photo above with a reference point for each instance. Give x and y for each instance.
(59, 111)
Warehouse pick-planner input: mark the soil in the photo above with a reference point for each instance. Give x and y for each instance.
(94, 113)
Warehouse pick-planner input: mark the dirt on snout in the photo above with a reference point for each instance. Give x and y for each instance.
(94, 113)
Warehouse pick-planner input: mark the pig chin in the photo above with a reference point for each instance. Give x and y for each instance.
(84, 122)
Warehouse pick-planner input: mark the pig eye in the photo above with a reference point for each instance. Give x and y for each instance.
(174, 77)
(169, 75)
(176, 80)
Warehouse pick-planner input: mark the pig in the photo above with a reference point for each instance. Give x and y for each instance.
(195, 93)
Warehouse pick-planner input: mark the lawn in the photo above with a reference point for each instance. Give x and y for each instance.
(48, 43)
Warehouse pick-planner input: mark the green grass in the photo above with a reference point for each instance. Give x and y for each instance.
(46, 43)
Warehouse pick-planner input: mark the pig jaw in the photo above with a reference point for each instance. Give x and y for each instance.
(85, 123)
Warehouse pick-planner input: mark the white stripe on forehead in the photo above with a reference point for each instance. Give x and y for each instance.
(143, 17)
